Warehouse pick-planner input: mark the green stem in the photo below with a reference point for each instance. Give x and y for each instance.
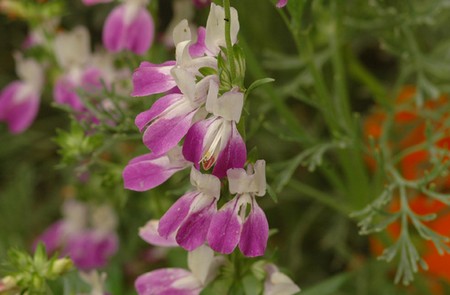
(342, 103)
(230, 53)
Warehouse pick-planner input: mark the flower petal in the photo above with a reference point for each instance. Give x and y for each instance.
(255, 232)
(136, 36)
(146, 172)
(162, 282)
(140, 33)
(162, 104)
(233, 155)
(64, 93)
(176, 214)
(225, 228)
(192, 233)
(149, 233)
(89, 251)
(153, 78)
(199, 48)
(193, 143)
(19, 112)
(51, 237)
(164, 134)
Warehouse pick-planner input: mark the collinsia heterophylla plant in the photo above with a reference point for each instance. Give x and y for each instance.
(164, 109)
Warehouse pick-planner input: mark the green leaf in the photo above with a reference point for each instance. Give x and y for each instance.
(256, 84)
(328, 287)
(272, 193)
(206, 71)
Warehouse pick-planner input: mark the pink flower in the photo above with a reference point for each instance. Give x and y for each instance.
(281, 3)
(88, 245)
(191, 215)
(129, 27)
(231, 226)
(19, 101)
(216, 140)
(203, 268)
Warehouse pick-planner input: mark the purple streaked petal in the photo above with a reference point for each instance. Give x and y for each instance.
(162, 282)
(147, 172)
(149, 233)
(193, 143)
(281, 3)
(145, 157)
(255, 232)
(136, 36)
(201, 3)
(164, 134)
(18, 112)
(173, 218)
(144, 118)
(199, 48)
(52, 237)
(192, 233)
(225, 228)
(233, 155)
(151, 78)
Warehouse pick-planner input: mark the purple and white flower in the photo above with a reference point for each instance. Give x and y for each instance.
(203, 268)
(150, 170)
(85, 234)
(72, 51)
(129, 27)
(231, 225)
(216, 140)
(191, 215)
(19, 101)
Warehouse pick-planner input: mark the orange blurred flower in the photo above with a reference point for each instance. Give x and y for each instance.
(408, 129)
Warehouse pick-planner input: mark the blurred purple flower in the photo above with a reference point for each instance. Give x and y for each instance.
(19, 101)
(88, 245)
(281, 3)
(129, 27)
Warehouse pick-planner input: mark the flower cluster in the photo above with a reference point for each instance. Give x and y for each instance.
(196, 110)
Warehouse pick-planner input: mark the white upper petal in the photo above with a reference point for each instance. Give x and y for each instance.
(104, 220)
(215, 28)
(205, 183)
(228, 106)
(30, 72)
(199, 262)
(182, 32)
(240, 182)
(72, 48)
(185, 81)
